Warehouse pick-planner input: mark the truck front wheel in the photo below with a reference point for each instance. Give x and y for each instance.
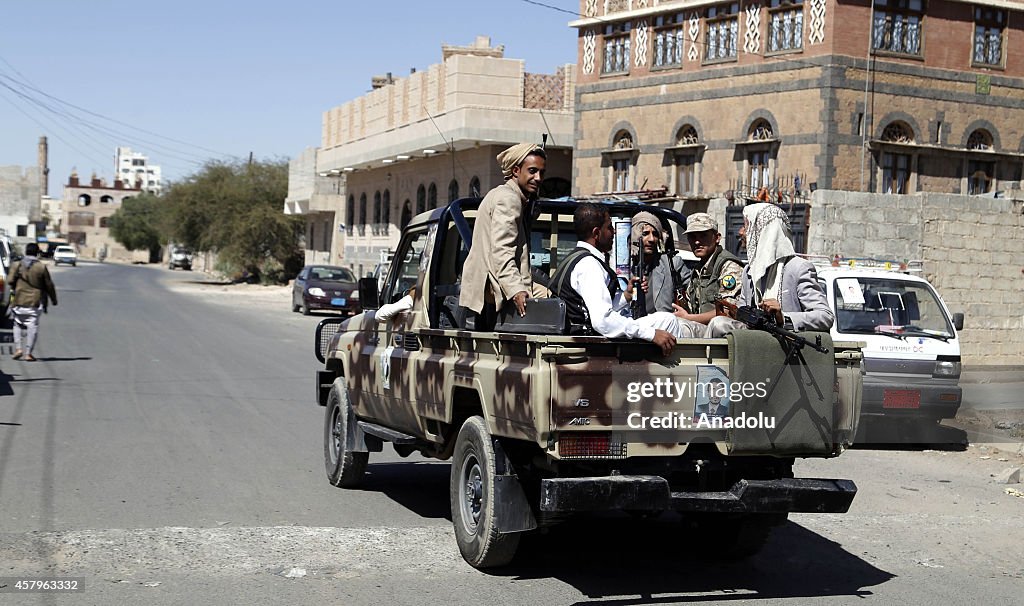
(472, 490)
(345, 469)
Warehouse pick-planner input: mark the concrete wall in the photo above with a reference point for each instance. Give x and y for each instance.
(972, 248)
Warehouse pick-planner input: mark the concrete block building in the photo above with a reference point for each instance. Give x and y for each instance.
(417, 142)
(86, 209)
(753, 97)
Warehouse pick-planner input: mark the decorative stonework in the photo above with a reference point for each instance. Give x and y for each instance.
(615, 6)
(694, 53)
(641, 43)
(641, 3)
(816, 33)
(752, 37)
(591, 8)
(589, 48)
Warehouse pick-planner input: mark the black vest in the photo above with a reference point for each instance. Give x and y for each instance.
(575, 307)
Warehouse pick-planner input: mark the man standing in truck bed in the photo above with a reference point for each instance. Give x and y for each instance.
(497, 270)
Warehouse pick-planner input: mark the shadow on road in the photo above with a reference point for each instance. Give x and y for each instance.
(420, 487)
(892, 435)
(647, 561)
(56, 359)
(655, 562)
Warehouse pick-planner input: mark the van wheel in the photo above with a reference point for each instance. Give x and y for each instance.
(471, 491)
(345, 469)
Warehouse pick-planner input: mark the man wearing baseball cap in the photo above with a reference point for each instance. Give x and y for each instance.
(717, 275)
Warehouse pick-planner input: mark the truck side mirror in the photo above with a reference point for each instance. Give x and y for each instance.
(958, 321)
(368, 295)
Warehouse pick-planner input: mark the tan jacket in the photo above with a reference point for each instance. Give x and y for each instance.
(498, 265)
(31, 286)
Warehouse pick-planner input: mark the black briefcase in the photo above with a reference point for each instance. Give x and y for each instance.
(543, 317)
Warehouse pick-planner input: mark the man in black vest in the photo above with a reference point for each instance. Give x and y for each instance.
(591, 293)
(718, 274)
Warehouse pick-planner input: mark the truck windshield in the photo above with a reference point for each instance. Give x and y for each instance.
(889, 306)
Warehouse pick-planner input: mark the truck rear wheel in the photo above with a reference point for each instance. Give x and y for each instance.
(345, 469)
(472, 490)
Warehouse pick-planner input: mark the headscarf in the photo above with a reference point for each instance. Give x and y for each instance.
(768, 238)
(513, 157)
(636, 235)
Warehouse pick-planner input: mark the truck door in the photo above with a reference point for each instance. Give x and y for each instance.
(390, 389)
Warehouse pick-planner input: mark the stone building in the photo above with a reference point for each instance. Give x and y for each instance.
(85, 213)
(756, 98)
(415, 143)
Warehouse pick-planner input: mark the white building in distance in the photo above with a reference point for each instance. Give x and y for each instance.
(134, 170)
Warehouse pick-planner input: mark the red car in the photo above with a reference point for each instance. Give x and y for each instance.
(325, 287)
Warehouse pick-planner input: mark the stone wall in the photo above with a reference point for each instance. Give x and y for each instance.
(972, 249)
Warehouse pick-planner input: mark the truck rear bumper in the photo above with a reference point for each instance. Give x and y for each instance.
(652, 493)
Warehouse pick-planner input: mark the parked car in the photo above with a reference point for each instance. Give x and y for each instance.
(65, 254)
(180, 257)
(325, 287)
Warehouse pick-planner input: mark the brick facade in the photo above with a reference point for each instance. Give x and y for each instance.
(827, 105)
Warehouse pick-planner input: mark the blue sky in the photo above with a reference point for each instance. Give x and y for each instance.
(227, 78)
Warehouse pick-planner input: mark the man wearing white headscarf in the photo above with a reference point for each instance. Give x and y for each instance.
(775, 279)
(497, 270)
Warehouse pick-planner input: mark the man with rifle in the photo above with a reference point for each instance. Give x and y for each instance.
(663, 275)
(776, 287)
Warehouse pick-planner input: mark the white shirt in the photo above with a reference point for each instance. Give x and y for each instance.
(609, 318)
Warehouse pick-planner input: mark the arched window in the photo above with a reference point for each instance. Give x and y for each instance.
(898, 132)
(980, 140)
(453, 190)
(104, 221)
(385, 218)
(362, 214)
(432, 196)
(623, 140)
(350, 215)
(406, 213)
(474, 187)
(106, 199)
(687, 135)
(421, 199)
(84, 200)
(686, 160)
(760, 130)
(376, 213)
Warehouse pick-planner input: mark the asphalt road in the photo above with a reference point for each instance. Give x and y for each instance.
(166, 449)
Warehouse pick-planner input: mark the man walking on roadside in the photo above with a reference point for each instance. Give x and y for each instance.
(33, 289)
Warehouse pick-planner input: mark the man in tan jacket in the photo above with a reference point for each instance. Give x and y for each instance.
(497, 270)
(32, 288)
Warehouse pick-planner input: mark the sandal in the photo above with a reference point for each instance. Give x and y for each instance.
(18, 354)
(29, 358)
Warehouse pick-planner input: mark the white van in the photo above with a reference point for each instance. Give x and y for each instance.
(912, 354)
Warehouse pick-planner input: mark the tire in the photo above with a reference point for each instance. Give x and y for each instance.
(345, 469)
(471, 491)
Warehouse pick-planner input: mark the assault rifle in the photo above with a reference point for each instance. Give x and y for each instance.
(638, 307)
(758, 319)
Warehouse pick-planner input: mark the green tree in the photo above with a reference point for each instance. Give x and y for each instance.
(136, 224)
(234, 209)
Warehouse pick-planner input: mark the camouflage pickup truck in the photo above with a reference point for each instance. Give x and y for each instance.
(540, 425)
